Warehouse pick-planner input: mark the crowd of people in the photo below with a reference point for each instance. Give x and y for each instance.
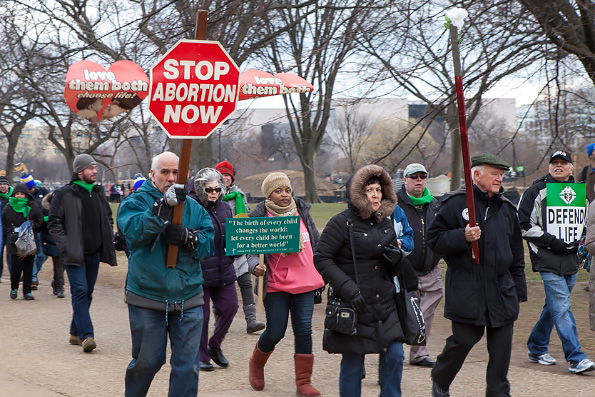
(384, 241)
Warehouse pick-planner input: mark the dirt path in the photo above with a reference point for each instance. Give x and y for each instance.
(38, 361)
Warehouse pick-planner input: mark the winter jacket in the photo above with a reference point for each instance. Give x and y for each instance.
(48, 245)
(378, 324)
(12, 219)
(66, 227)
(304, 212)
(422, 258)
(485, 293)
(148, 277)
(532, 215)
(218, 270)
(403, 231)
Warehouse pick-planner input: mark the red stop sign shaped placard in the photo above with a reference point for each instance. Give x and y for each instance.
(194, 88)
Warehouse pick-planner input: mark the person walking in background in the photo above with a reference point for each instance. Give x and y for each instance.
(588, 173)
(557, 262)
(49, 248)
(421, 207)
(21, 207)
(485, 296)
(239, 205)
(218, 271)
(80, 222)
(290, 280)
(366, 280)
(38, 192)
(5, 192)
(164, 301)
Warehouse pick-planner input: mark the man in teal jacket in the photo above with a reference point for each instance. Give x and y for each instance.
(163, 300)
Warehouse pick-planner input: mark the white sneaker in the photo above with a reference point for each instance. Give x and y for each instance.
(543, 359)
(582, 366)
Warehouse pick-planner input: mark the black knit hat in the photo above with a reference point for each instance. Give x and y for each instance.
(4, 179)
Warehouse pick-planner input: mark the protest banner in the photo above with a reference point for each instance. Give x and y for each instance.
(566, 210)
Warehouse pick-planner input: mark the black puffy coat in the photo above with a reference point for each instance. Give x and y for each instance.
(218, 270)
(485, 293)
(48, 245)
(378, 325)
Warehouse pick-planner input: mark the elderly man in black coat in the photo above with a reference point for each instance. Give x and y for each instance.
(485, 295)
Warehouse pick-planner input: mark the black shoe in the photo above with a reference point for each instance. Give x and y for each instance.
(28, 297)
(218, 357)
(425, 362)
(438, 392)
(205, 366)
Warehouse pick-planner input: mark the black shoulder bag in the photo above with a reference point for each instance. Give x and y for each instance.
(410, 317)
(340, 315)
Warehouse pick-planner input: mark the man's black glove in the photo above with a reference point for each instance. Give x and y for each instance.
(358, 302)
(176, 194)
(558, 246)
(176, 234)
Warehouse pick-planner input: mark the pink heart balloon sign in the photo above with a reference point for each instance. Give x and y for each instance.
(256, 83)
(97, 94)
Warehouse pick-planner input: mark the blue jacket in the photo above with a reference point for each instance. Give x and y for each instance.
(403, 230)
(148, 277)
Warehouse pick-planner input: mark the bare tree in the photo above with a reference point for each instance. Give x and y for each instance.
(498, 41)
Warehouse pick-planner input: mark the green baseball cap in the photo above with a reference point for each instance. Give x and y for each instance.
(489, 159)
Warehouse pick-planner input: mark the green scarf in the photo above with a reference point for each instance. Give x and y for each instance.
(19, 205)
(423, 200)
(237, 196)
(8, 194)
(86, 186)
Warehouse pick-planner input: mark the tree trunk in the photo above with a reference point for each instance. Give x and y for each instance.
(310, 182)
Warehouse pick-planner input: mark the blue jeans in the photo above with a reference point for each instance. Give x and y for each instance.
(391, 370)
(40, 259)
(82, 282)
(556, 311)
(149, 341)
(277, 306)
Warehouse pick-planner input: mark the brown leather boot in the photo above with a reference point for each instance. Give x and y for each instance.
(257, 362)
(303, 373)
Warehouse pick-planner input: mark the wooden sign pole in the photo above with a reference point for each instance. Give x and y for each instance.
(200, 33)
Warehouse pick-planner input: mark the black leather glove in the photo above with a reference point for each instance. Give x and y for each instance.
(176, 234)
(358, 302)
(558, 246)
(176, 194)
(392, 254)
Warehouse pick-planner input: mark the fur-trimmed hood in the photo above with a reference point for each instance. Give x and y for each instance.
(46, 200)
(356, 196)
(204, 176)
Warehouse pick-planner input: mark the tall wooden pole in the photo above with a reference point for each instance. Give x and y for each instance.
(456, 57)
(200, 33)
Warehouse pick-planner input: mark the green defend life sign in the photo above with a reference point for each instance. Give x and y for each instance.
(262, 235)
(566, 210)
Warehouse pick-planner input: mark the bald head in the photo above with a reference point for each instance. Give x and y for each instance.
(164, 170)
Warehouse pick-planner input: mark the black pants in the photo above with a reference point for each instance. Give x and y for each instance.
(458, 345)
(18, 266)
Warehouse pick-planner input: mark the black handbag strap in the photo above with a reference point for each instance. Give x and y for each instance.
(352, 241)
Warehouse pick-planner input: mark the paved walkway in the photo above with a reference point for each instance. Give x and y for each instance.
(38, 361)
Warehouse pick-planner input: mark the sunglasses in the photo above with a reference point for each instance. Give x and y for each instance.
(213, 189)
(423, 176)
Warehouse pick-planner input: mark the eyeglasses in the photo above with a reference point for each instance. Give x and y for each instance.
(418, 176)
(213, 189)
